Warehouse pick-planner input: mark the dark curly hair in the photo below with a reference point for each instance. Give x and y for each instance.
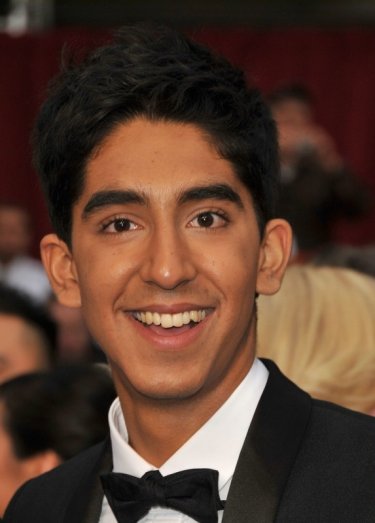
(159, 74)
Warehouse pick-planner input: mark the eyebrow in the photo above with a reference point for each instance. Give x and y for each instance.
(211, 192)
(102, 199)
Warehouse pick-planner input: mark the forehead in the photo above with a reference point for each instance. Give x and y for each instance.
(156, 155)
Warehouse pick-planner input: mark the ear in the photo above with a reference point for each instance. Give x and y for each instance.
(274, 256)
(59, 265)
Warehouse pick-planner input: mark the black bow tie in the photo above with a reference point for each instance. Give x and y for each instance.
(193, 492)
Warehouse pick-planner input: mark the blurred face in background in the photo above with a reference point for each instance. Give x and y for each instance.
(294, 120)
(15, 234)
(22, 348)
(73, 339)
(294, 113)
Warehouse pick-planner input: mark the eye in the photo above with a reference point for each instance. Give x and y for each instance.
(118, 225)
(209, 220)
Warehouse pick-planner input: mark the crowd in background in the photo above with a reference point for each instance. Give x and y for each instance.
(55, 386)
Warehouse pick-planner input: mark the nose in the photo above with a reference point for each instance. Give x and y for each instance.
(169, 262)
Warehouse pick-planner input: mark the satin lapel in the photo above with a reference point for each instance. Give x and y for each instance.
(269, 451)
(86, 503)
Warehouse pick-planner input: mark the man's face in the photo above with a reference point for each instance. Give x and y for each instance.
(165, 254)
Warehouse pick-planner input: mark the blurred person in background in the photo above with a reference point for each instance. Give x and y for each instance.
(320, 330)
(27, 334)
(359, 258)
(46, 418)
(17, 268)
(317, 187)
(74, 343)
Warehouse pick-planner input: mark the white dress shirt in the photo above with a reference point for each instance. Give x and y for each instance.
(216, 445)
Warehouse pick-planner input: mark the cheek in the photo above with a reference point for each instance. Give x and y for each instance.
(96, 282)
(103, 270)
(234, 269)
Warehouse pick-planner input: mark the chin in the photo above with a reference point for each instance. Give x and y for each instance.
(162, 385)
(168, 390)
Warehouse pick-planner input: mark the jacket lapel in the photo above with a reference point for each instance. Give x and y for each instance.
(269, 451)
(86, 503)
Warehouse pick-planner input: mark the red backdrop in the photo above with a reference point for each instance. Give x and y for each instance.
(338, 65)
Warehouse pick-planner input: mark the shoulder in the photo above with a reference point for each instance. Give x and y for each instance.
(332, 439)
(335, 465)
(332, 476)
(351, 429)
(47, 497)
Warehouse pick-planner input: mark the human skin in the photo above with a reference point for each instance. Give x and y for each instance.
(299, 134)
(22, 348)
(164, 225)
(73, 339)
(15, 234)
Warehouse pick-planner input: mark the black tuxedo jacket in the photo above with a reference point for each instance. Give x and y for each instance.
(303, 461)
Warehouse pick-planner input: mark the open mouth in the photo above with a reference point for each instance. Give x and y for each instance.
(168, 321)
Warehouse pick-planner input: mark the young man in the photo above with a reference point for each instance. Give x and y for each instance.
(160, 167)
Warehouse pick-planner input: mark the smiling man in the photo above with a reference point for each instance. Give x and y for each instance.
(160, 168)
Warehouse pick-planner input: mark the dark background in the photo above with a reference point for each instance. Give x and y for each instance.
(328, 46)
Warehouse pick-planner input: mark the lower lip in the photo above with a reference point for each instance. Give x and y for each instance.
(170, 339)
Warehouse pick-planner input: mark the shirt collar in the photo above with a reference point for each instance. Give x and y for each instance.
(216, 445)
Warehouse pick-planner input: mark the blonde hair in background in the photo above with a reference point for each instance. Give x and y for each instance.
(320, 329)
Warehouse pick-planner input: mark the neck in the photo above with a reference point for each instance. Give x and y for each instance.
(158, 428)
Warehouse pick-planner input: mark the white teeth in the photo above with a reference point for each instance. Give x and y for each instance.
(186, 317)
(194, 316)
(171, 320)
(166, 321)
(178, 320)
